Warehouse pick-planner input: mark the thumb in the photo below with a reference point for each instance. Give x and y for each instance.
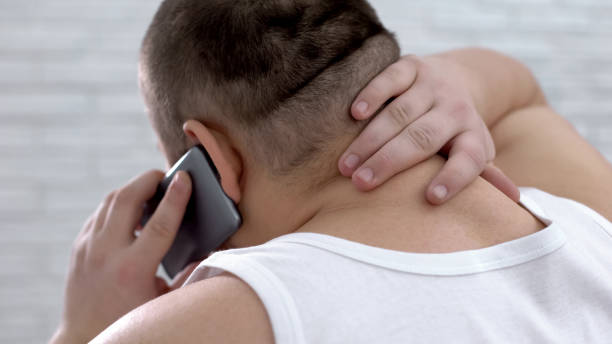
(497, 178)
(159, 232)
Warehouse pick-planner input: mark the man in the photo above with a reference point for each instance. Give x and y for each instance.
(266, 86)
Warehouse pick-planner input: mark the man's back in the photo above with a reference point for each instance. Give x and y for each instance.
(550, 286)
(555, 285)
(225, 307)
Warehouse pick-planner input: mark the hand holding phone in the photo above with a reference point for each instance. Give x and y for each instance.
(211, 216)
(111, 272)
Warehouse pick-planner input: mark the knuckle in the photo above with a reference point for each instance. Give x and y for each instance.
(376, 88)
(159, 228)
(400, 113)
(462, 111)
(370, 139)
(422, 137)
(123, 196)
(395, 72)
(384, 160)
(457, 177)
(389, 76)
(491, 151)
(476, 156)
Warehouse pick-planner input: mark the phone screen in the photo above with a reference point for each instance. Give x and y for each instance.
(211, 216)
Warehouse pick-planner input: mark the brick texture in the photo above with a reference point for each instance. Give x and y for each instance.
(72, 125)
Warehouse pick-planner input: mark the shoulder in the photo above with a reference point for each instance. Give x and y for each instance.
(219, 309)
(537, 147)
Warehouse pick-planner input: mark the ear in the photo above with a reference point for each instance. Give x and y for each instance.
(222, 153)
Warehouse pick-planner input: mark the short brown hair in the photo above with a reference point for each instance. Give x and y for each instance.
(284, 72)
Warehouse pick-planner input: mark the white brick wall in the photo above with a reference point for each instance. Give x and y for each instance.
(72, 125)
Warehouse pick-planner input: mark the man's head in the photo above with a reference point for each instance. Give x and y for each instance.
(279, 74)
(274, 78)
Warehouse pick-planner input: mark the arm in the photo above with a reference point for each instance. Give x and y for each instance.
(537, 147)
(498, 84)
(222, 309)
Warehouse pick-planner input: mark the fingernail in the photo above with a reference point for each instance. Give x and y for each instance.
(362, 107)
(351, 161)
(440, 192)
(366, 175)
(178, 183)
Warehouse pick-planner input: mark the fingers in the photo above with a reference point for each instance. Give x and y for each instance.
(422, 139)
(497, 178)
(87, 228)
(391, 82)
(387, 124)
(126, 206)
(489, 145)
(467, 159)
(159, 232)
(102, 212)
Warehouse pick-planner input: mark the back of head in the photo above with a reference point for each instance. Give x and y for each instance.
(278, 74)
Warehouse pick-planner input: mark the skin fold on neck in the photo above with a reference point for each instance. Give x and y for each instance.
(396, 215)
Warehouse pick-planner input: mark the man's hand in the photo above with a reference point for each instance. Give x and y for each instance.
(433, 112)
(111, 270)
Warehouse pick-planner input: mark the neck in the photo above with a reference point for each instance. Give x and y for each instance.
(393, 216)
(397, 216)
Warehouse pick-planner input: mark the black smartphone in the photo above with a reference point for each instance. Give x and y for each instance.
(211, 216)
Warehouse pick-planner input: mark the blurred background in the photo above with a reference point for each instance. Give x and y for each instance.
(72, 125)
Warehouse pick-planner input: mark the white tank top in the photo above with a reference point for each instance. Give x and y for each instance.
(553, 286)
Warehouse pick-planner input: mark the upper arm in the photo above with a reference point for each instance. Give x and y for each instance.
(222, 309)
(537, 147)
